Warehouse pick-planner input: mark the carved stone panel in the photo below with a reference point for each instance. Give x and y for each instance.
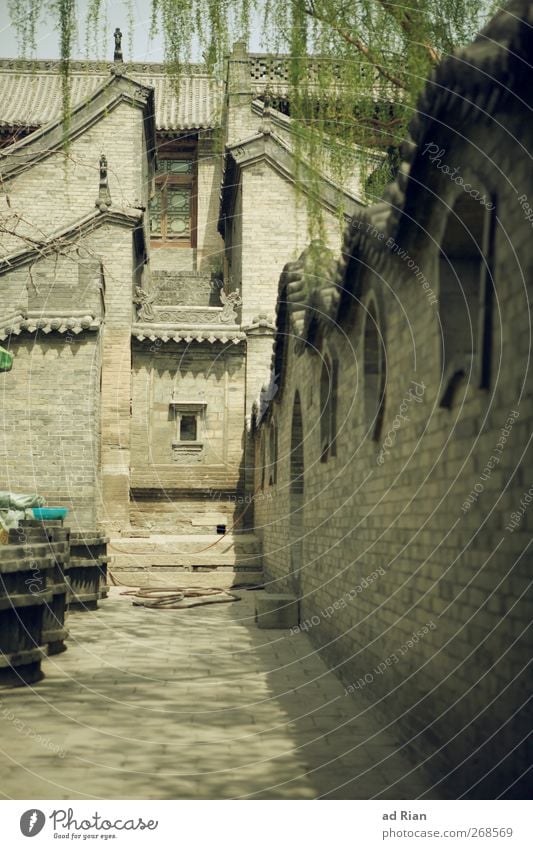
(187, 316)
(186, 454)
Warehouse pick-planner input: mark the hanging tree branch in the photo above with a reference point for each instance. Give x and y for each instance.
(407, 24)
(356, 42)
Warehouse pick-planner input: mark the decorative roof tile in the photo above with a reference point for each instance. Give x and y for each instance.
(176, 333)
(75, 322)
(30, 93)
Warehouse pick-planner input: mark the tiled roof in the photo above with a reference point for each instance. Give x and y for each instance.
(30, 93)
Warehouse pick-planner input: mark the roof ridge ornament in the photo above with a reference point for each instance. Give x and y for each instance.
(104, 195)
(117, 55)
(265, 126)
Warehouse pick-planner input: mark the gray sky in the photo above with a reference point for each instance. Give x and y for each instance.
(133, 18)
(135, 25)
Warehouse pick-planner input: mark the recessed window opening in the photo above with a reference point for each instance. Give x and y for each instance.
(188, 428)
(263, 459)
(466, 261)
(328, 408)
(374, 371)
(273, 454)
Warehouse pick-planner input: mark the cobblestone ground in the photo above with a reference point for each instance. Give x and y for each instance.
(190, 704)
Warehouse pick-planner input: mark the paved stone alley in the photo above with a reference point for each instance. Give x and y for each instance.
(194, 704)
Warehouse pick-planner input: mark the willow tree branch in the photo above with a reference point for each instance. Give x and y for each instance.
(405, 22)
(356, 42)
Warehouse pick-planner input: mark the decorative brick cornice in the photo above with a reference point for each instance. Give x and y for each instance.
(172, 333)
(75, 322)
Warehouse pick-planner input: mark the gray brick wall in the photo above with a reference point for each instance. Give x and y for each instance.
(49, 441)
(403, 520)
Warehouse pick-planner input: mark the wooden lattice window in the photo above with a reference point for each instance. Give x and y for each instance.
(173, 206)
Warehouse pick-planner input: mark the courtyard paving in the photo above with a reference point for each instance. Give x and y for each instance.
(194, 704)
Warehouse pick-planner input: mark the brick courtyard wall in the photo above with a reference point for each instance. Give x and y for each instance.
(210, 245)
(181, 491)
(119, 265)
(65, 411)
(272, 207)
(421, 535)
(49, 429)
(269, 205)
(85, 395)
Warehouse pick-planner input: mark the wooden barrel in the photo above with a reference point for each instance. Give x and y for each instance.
(56, 537)
(25, 574)
(87, 570)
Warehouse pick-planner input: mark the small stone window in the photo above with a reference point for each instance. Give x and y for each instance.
(188, 442)
(188, 428)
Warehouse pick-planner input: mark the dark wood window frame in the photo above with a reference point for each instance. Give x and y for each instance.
(165, 181)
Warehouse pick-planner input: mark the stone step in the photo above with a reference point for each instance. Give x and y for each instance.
(191, 552)
(176, 576)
